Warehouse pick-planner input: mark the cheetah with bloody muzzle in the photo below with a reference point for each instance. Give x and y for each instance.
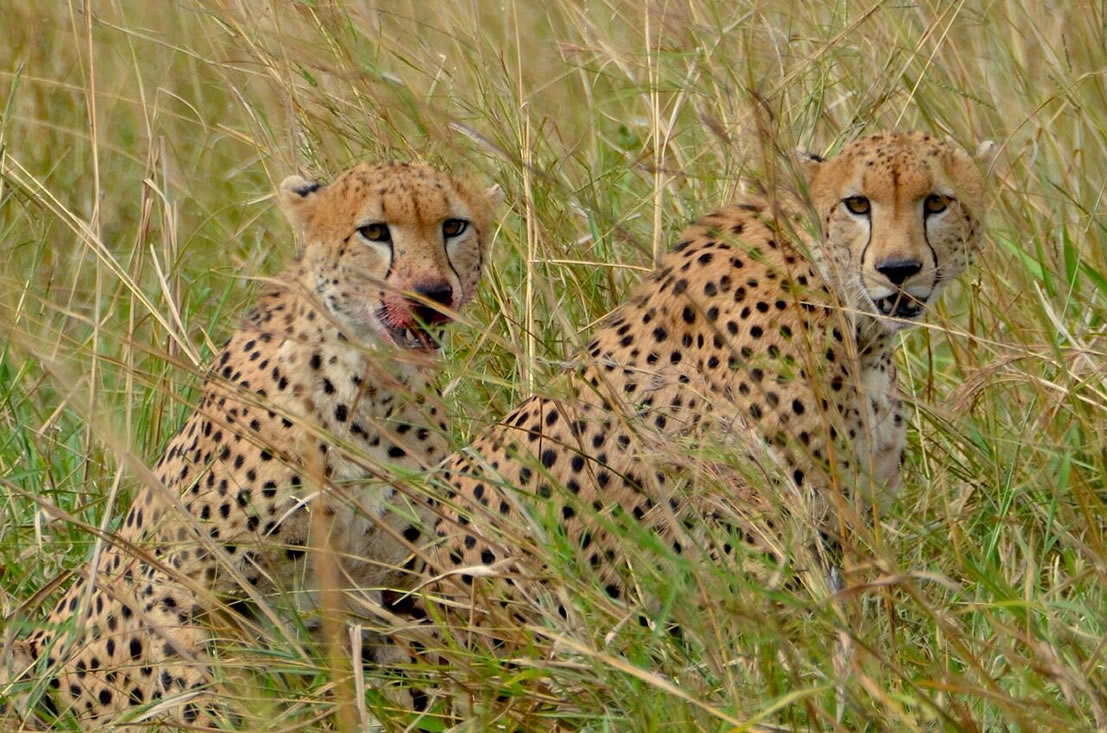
(312, 405)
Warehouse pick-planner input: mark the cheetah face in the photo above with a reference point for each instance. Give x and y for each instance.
(393, 250)
(899, 221)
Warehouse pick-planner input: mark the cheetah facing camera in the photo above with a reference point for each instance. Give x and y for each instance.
(323, 387)
(750, 334)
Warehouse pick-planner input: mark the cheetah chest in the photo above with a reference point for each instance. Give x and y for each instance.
(883, 433)
(368, 428)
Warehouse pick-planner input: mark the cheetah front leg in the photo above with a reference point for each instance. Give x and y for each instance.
(137, 652)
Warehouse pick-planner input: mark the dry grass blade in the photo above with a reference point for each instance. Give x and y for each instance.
(139, 146)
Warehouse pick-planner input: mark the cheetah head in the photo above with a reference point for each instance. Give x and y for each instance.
(392, 250)
(899, 220)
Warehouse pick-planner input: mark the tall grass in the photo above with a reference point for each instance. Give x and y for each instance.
(139, 145)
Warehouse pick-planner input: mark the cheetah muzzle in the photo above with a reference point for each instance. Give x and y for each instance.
(415, 324)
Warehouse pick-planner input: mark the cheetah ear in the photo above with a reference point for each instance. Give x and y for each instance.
(986, 150)
(297, 197)
(810, 163)
(989, 157)
(494, 194)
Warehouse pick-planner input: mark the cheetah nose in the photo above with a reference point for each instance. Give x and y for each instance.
(439, 292)
(899, 271)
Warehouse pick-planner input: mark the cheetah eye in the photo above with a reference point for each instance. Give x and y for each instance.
(376, 232)
(453, 227)
(935, 203)
(857, 205)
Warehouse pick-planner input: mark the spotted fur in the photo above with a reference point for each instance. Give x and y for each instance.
(324, 387)
(751, 335)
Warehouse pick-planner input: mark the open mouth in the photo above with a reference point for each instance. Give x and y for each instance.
(900, 305)
(417, 334)
(415, 337)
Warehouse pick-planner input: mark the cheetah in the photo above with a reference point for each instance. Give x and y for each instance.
(750, 333)
(313, 403)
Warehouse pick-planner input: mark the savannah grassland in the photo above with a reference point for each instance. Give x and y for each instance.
(139, 147)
